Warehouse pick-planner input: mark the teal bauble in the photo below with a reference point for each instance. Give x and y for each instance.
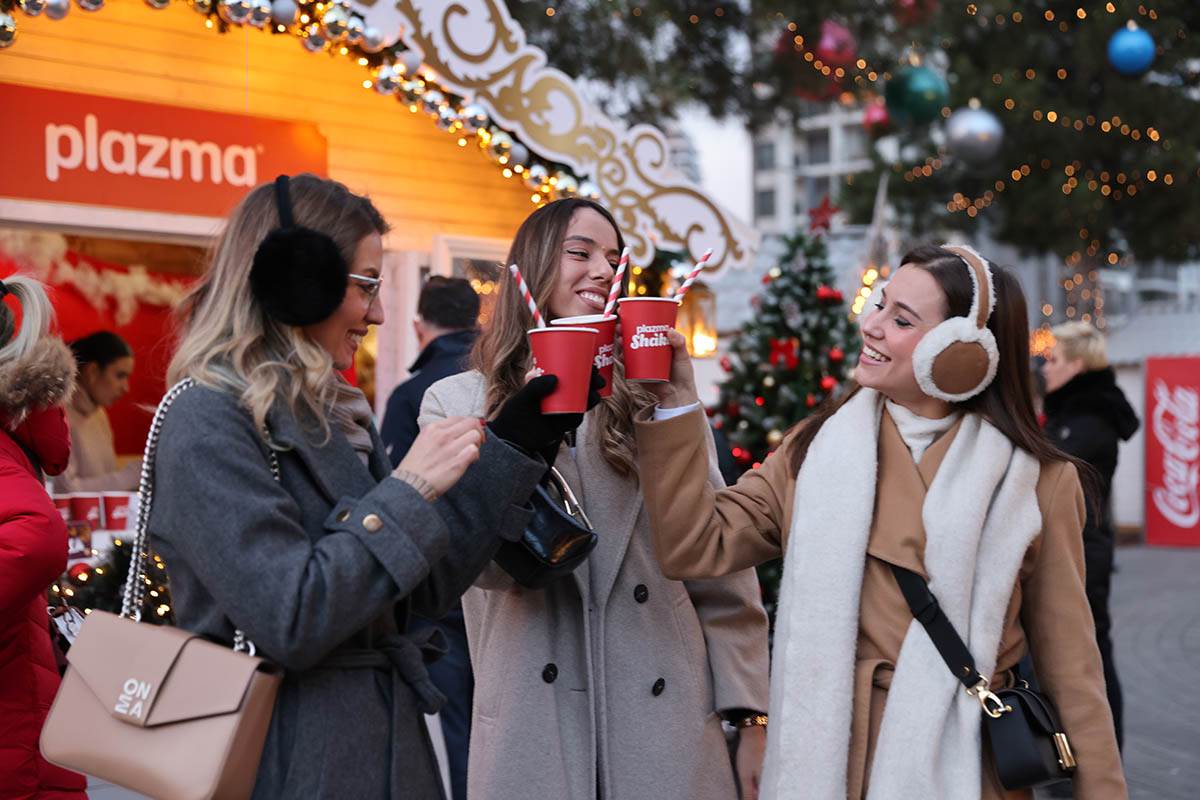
(916, 95)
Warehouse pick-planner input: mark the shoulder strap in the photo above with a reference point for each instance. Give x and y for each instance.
(949, 644)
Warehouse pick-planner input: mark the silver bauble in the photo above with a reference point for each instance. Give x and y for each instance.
(91, 5)
(8, 30)
(974, 135)
(536, 176)
(565, 184)
(500, 145)
(354, 30)
(284, 12)
(411, 91)
(202, 6)
(314, 40)
(589, 190)
(387, 79)
(518, 154)
(473, 117)
(32, 7)
(57, 9)
(410, 60)
(235, 12)
(336, 21)
(432, 101)
(372, 40)
(446, 117)
(158, 5)
(260, 12)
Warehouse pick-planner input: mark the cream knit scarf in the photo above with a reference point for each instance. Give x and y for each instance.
(980, 515)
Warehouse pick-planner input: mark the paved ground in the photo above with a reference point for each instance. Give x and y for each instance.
(1156, 622)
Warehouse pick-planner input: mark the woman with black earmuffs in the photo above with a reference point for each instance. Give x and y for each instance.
(928, 480)
(279, 516)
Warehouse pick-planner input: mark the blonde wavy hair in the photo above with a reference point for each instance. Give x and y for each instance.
(1080, 340)
(228, 343)
(502, 352)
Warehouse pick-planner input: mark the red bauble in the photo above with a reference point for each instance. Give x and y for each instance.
(836, 46)
(828, 384)
(876, 119)
(726, 364)
(836, 355)
(767, 279)
(914, 12)
(79, 573)
(810, 401)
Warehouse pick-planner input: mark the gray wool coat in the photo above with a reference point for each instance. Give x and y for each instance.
(316, 585)
(608, 683)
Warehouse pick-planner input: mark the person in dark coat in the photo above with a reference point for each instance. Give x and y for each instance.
(1087, 416)
(37, 373)
(278, 513)
(446, 327)
(447, 312)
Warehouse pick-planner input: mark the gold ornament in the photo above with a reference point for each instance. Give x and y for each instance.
(774, 438)
(769, 381)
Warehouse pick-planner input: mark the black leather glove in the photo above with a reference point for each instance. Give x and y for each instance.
(522, 423)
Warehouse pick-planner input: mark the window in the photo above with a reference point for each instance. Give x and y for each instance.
(764, 203)
(815, 190)
(816, 146)
(855, 141)
(764, 156)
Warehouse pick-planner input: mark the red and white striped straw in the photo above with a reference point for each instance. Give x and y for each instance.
(524, 289)
(616, 284)
(691, 278)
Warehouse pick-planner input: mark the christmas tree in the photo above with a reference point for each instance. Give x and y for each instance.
(101, 587)
(794, 353)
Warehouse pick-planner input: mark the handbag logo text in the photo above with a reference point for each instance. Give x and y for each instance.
(133, 696)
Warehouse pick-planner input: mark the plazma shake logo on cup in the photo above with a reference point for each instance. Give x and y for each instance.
(606, 329)
(566, 353)
(645, 323)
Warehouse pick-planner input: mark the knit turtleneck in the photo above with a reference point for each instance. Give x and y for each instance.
(919, 432)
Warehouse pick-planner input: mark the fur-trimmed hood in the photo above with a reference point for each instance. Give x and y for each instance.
(43, 377)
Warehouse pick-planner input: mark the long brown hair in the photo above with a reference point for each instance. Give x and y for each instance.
(502, 353)
(1007, 403)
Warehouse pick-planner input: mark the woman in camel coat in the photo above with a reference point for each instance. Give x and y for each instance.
(862, 704)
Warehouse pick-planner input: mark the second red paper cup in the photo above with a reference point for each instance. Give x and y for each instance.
(602, 358)
(565, 352)
(645, 347)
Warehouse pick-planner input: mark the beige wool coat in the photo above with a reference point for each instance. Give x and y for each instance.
(609, 683)
(702, 532)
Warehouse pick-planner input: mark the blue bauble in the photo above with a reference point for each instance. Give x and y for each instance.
(1131, 50)
(916, 95)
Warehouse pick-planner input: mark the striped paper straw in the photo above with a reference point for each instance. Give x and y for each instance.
(524, 289)
(691, 278)
(616, 284)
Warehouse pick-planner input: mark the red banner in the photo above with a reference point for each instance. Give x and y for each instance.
(1173, 451)
(102, 151)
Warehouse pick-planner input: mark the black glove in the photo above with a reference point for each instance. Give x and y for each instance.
(522, 423)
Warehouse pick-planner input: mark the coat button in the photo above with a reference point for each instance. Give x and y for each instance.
(372, 523)
(549, 673)
(658, 687)
(343, 515)
(641, 593)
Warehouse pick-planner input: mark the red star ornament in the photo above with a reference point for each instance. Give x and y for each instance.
(821, 217)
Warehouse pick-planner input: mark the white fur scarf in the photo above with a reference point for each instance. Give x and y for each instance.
(929, 740)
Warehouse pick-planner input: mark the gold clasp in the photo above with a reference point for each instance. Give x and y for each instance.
(1066, 759)
(991, 704)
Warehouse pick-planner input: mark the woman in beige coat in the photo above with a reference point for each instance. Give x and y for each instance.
(933, 463)
(611, 683)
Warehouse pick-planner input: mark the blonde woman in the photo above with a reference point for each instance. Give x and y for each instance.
(278, 513)
(611, 683)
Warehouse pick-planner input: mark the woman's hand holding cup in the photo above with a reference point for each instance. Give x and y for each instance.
(680, 389)
(443, 451)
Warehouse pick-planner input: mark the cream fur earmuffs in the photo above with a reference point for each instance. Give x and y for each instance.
(958, 359)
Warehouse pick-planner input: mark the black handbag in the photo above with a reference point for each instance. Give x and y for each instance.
(1029, 746)
(556, 540)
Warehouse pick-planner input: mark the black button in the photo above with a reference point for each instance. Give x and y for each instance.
(549, 673)
(658, 687)
(640, 593)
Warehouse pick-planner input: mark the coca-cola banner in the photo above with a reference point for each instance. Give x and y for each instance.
(1173, 451)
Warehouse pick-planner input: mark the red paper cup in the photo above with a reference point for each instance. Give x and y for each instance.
(63, 503)
(116, 511)
(86, 507)
(566, 353)
(645, 347)
(602, 359)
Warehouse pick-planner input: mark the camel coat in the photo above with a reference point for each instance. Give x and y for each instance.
(701, 532)
(608, 683)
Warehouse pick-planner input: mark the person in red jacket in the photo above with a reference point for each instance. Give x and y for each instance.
(36, 374)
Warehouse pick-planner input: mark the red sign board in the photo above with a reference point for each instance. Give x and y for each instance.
(1173, 451)
(101, 151)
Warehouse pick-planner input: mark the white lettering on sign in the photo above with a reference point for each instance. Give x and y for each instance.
(133, 696)
(1176, 427)
(146, 155)
(649, 336)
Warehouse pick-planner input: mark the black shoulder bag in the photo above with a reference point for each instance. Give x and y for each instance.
(556, 540)
(1028, 743)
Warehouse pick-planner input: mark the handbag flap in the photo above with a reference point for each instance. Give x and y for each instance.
(147, 675)
(1037, 707)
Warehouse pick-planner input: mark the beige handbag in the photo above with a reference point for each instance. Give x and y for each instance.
(158, 709)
